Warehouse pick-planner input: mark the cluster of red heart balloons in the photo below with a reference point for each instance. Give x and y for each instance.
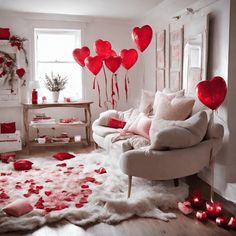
(212, 92)
(104, 53)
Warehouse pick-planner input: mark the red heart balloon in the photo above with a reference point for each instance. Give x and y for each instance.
(94, 64)
(20, 72)
(113, 63)
(113, 53)
(142, 37)
(80, 54)
(212, 92)
(102, 48)
(129, 58)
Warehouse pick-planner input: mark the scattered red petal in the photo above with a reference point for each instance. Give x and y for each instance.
(101, 170)
(48, 193)
(98, 182)
(17, 186)
(4, 196)
(86, 191)
(3, 174)
(90, 179)
(61, 165)
(26, 195)
(67, 172)
(39, 187)
(39, 203)
(83, 200)
(70, 168)
(78, 205)
(84, 186)
(48, 181)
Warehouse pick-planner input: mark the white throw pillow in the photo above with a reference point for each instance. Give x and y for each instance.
(166, 134)
(170, 107)
(104, 117)
(146, 101)
(168, 93)
(129, 121)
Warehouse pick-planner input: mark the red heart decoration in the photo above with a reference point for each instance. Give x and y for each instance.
(113, 53)
(129, 58)
(20, 72)
(102, 48)
(212, 92)
(80, 54)
(142, 37)
(113, 63)
(94, 64)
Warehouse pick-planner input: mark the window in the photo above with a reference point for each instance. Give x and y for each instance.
(54, 54)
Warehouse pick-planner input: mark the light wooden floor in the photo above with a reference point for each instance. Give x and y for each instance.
(182, 226)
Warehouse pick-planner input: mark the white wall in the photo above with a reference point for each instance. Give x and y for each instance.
(115, 31)
(218, 58)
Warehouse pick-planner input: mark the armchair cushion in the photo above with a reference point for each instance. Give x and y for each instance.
(165, 134)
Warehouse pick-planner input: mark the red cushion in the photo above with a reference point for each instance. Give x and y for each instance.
(4, 33)
(61, 156)
(8, 127)
(116, 123)
(23, 165)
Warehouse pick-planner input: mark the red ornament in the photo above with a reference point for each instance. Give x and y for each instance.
(232, 223)
(80, 54)
(213, 209)
(196, 199)
(113, 63)
(212, 92)
(142, 37)
(20, 72)
(34, 96)
(222, 221)
(94, 64)
(129, 58)
(201, 215)
(102, 48)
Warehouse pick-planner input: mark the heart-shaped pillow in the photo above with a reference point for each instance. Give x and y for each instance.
(22, 165)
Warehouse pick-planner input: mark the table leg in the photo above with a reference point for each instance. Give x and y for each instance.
(26, 126)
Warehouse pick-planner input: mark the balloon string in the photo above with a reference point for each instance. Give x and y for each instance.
(105, 76)
(99, 94)
(117, 87)
(94, 82)
(99, 91)
(112, 92)
(126, 86)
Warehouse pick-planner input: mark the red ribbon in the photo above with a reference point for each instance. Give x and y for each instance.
(117, 87)
(99, 91)
(112, 92)
(126, 86)
(105, 76)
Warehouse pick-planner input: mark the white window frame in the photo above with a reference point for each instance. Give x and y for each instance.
(76, 32)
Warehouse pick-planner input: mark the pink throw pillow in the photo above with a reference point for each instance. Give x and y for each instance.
(141, 126)
(18, 208)
(23, 165)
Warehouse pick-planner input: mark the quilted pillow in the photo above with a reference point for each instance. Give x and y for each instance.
(116, 123)
(166, 134)
(146, 101)
(170, 107)
(8, 127)
(141, 126)
(61, 156)
(22, 165)
(18, 208)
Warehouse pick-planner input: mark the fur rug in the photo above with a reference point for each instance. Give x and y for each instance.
(79, 191)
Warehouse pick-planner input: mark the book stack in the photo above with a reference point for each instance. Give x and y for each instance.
(42, 119)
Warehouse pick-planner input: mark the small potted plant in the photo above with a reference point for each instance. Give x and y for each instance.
(55, 83)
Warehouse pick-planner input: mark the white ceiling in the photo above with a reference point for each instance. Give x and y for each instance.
(122, 9)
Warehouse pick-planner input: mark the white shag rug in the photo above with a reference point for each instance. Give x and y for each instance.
(77, 190)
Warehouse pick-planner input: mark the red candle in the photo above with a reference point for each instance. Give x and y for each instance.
(213, 209)
(201, 215)
(222, 221)
(232, 223)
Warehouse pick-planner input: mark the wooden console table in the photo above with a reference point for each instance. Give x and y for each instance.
(79, 104)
